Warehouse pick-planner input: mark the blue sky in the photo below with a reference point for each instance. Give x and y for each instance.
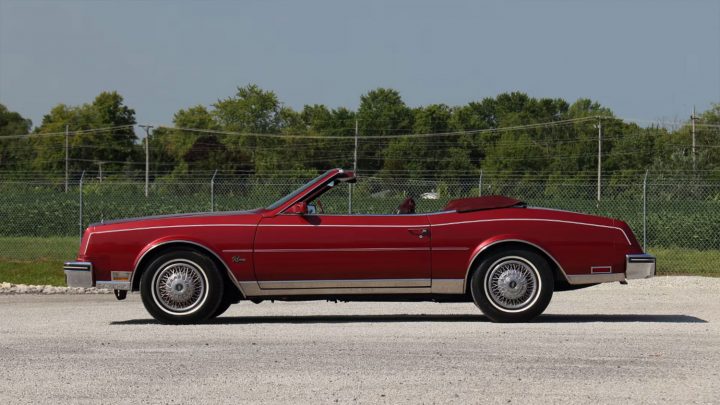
(643, 59)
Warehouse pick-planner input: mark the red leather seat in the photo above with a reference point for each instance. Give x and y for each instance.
(407, 206)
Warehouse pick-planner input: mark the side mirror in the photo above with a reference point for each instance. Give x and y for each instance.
(300, 208)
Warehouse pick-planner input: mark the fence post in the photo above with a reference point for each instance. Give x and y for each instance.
(82, 177)
(645, 211)
(480, 184)
(212, 192)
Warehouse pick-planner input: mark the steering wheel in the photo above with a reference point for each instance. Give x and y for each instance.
(321, 210)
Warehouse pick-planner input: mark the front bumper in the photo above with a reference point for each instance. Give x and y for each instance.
(79, 274)
(638, 266)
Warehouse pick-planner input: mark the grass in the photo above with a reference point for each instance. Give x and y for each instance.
(687, 262)
(27, 260)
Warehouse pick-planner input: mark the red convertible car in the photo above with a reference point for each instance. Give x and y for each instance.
(495, 251)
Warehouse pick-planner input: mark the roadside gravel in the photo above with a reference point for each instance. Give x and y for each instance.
(653, 341)
(9, 288)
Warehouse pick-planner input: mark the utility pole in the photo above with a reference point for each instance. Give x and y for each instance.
(693, 117)
(147, 155)
(599, 160)
(67, 135)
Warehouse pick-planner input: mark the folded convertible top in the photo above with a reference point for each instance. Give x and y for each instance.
(482, 203)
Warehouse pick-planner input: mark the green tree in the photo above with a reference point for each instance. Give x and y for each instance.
(381, 112)
(115, 147)
(14, 152)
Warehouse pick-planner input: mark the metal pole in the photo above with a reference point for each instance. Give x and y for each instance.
(67, 135)
(352, 186)
(212, 192)
(599, 162)
(82, 177)
(480, 184)
(147, 156)
(645, 211)
(693, 117)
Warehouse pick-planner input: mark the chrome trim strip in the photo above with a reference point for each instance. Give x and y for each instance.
(251, 289)
(467, 273)
(341, 250)
(172, 226)
(114, 285)
(408, 226)
(434, 249)
(81, 266)
(227, 268)
(536, 219)
(341, 284)
(447, 286)
(237, 251)
(578, 279)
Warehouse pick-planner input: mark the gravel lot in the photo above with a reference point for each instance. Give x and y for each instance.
(652, 341)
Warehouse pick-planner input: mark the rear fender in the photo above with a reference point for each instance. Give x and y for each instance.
(514, 239)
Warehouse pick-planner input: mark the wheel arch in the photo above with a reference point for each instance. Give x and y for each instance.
(160, 247)
(489, 247)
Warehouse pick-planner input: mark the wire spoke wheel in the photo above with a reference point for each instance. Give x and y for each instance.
(512, 284)
(180, 286)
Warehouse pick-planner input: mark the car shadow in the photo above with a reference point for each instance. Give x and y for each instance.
(399, 318)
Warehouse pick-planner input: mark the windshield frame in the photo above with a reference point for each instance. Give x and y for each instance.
(277, 204)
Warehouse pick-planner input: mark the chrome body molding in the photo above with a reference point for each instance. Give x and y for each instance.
(324, 284)
(448, 286)
(252, 289)
(227, 269)
(467, 272)
(78, 274)
(579, 279)
(352, 287)
(114, 285)
(639, 266)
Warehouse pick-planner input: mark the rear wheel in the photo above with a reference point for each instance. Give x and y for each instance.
(181, 286)
(512, 285)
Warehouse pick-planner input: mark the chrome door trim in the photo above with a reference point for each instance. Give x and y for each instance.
(353, 287)
(363, 283)
(597, 278)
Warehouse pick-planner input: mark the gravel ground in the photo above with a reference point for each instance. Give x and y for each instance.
(653, 341)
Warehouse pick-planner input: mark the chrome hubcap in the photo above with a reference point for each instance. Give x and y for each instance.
(512, 284)
(180, 286)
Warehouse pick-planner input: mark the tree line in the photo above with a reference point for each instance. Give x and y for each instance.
(499, 134)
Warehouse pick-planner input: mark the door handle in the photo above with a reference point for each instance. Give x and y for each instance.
(419, 232)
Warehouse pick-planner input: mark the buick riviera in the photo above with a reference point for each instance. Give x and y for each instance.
(495, 251)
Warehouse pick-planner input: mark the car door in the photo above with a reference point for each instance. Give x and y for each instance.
(342, 251)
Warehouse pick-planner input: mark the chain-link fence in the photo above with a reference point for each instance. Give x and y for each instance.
(677, 218)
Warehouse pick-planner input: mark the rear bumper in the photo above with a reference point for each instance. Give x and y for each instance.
(639, 266)
(79, 274)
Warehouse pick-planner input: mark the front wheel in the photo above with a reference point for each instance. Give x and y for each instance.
(181, 287)
(512, 285)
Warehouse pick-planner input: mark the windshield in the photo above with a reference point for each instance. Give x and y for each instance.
(296, 192)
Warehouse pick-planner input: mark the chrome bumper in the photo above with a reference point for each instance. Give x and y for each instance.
(78, 274)
(638, 266)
